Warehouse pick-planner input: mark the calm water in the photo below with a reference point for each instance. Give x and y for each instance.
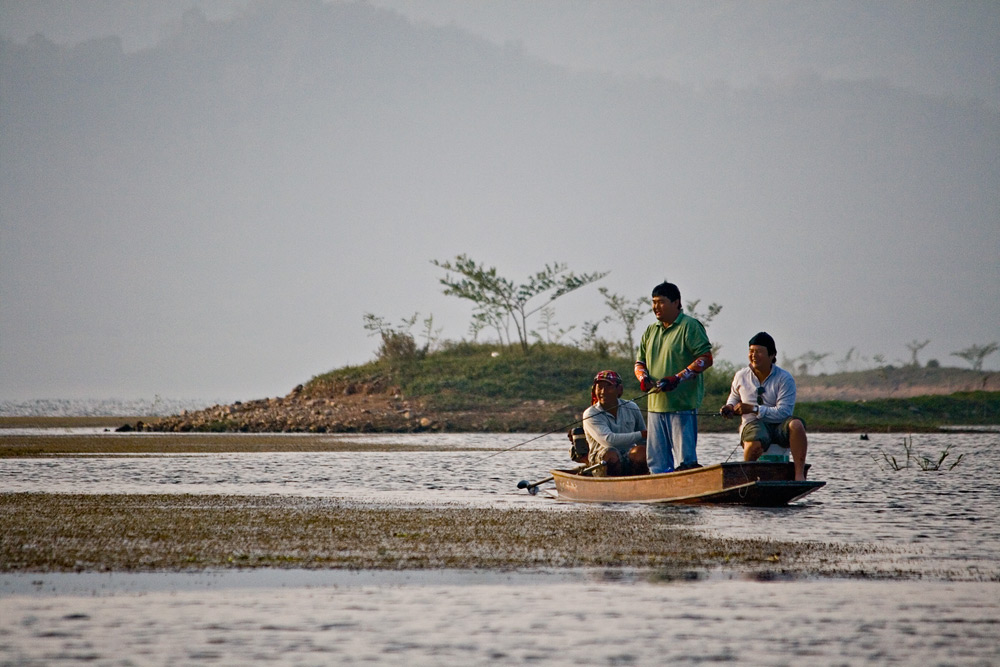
(523, 620)
(942, 524)
(940, 518)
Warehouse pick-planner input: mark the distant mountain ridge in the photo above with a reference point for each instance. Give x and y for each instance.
(276, 174)
(935, 48)
(337, 107)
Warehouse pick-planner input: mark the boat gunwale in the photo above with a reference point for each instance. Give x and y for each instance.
(807, 486)
(672, 475)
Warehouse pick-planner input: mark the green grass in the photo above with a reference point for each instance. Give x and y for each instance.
(895, 414)
(467, 376)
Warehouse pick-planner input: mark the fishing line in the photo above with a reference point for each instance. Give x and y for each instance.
(732, 452)
(556, 430)
(580, 421)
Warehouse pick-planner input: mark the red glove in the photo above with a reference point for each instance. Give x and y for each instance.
(668, 383)
(646, 384)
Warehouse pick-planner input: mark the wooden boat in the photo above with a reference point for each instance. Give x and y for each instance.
(740, 483)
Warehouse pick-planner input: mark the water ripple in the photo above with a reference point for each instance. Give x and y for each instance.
(950, 514)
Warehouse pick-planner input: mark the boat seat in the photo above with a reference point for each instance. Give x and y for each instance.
(775, 453)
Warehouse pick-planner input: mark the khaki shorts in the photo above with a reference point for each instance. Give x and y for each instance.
(767, 433)
(627, 467)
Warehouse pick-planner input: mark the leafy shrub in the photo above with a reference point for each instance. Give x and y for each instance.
(396, 346)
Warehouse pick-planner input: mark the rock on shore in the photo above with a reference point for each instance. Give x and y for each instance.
(355, 408)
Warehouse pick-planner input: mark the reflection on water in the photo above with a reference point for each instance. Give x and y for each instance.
(939, 519)
(517, 621)
(939, 516)
(454, 470)
(935, 520)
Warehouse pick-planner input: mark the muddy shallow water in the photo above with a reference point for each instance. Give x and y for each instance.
(934, 522)
(939, 518)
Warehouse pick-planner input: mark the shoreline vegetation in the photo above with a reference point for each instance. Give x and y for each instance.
(465, 389)
(485, 388)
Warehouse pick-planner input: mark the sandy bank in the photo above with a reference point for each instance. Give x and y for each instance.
(188, 443)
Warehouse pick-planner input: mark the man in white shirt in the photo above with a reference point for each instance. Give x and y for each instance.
(764, 396)
(615, 429)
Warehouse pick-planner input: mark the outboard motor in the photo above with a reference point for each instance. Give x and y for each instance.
(581, 448)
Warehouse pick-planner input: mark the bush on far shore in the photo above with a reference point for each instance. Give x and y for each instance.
(465, 374)
(478, 376)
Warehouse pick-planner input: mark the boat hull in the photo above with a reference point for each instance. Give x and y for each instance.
(738, 483)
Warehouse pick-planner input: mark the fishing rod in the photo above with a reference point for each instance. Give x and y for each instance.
(532, 487)
(580, 421)
(555, 430)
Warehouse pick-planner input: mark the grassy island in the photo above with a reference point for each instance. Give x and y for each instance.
(487, 388)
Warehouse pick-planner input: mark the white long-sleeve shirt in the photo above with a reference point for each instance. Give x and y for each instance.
(777, 401)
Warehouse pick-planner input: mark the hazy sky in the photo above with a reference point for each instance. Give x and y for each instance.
(943, 47)
(247, 270)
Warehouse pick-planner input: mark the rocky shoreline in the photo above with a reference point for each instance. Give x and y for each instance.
(375, 407)
(354, 408)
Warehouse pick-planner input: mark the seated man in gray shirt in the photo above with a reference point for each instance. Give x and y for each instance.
(615, 429)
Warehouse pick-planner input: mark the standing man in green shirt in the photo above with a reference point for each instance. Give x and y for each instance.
(672, 355)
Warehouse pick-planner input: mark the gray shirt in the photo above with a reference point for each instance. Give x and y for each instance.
(605, 431)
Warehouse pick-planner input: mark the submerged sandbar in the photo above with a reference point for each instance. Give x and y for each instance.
(83, 532)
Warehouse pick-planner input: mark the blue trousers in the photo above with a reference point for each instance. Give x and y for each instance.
(671, 436)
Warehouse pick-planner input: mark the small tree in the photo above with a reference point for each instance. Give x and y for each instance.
(486, 319)
(500, 301)
(808, 360)
(975, 354)
(844, 365)
(915, 346)
(553, 332)
(397, 342)
(628, 313)
(591, 341)
(713, 310)
(430, 335)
